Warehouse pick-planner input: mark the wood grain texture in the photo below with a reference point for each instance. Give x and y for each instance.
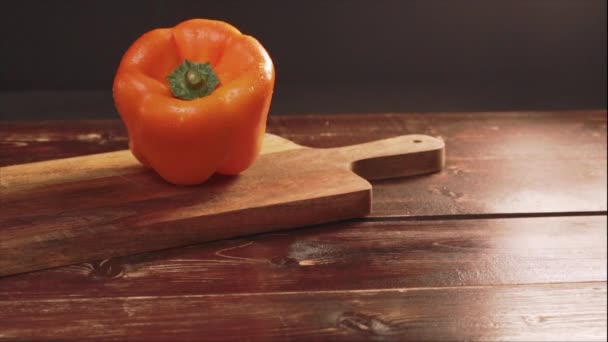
(384, 278)
(564, 312)
(31, 141)
(345, 256)
(104, 205)
(497, 163)
(566, 135)
(29, 176)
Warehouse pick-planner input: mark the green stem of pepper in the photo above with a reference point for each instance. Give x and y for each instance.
(190, 80)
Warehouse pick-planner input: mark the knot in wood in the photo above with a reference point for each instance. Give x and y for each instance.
(363, 324)
(283, 261)
(107, 269)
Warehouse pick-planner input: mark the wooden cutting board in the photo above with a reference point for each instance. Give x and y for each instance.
(72, 210)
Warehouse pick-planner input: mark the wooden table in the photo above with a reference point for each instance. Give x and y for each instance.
(507, 243)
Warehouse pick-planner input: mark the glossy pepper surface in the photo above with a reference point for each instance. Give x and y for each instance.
(194, 99)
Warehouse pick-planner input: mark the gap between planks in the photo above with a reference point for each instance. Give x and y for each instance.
(290, 293)
(397, 218)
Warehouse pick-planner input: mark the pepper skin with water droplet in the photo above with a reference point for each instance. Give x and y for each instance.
(194, 99)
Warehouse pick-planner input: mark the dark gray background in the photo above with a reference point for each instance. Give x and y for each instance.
(59, 57)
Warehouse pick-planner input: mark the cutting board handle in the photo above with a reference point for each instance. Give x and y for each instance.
(400, 156)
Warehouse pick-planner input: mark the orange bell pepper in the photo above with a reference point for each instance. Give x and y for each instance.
(194, 99)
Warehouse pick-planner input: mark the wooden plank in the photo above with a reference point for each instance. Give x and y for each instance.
(482, 136)
(497, 187)
(556, 312)
(345, 256)
(31, 141)
(507, 163)
(34, 141)
(497, 163)
(494, 135)
(43, 174)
